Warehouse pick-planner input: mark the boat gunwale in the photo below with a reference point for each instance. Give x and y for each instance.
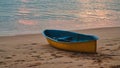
(96, 38)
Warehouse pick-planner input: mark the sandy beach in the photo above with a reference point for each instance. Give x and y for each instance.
(33, 51)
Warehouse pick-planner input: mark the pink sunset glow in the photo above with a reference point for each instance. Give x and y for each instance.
(27, 22)
(25, 1)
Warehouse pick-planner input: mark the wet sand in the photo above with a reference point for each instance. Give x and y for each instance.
(33, 51)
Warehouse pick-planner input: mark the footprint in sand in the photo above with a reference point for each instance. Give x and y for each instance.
(31, 44)
(2, 50)
(112, 44)
(34, 43)
(115, 66)
(2, 63)
(80, 65)
(19, 60)
(8, 57)
(34, 64)
(109, 44)
(56, 56)
(107, 49)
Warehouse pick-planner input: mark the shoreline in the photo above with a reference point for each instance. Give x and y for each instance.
(82, 30)
(32, 50)
(38, 32)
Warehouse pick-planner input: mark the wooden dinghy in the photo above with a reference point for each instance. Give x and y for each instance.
(71, 41)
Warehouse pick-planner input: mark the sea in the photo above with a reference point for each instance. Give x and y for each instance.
(33, 16)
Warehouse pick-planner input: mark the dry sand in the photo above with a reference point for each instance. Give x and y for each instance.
(33, 51)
